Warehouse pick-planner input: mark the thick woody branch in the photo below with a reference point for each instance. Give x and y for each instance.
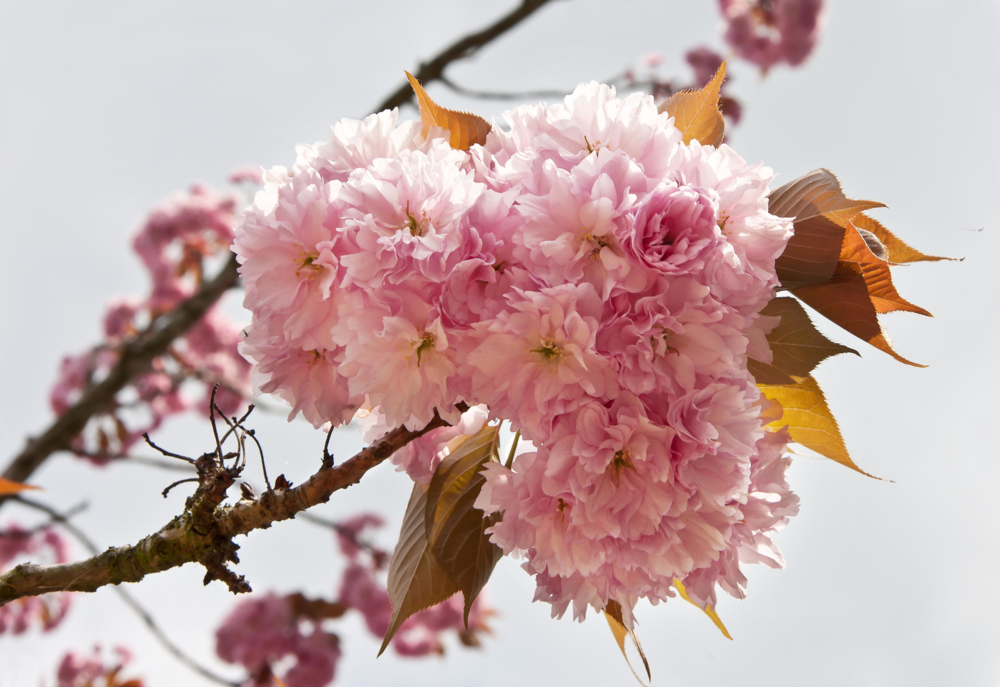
(203, 533)
(463, 48)
(136, 357)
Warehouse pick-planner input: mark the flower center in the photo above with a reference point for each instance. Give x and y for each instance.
(415, 226)
(549, 350)
(622, 461)
(425, 344)
(597, 242)
(307, 264)
(595, 146)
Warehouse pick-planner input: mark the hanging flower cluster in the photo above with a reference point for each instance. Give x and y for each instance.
(585, 275)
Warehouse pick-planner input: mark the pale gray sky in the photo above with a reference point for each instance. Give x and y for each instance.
(108, 107)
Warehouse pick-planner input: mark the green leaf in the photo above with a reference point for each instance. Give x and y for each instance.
(416, 580)
(455, 528)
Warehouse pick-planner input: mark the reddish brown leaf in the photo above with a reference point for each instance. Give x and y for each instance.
(454, 527)
(697, 113)
(809, 420)
(821, 210)
(416, 579)
(844, 300)
(613, 614)
(8, 487)
(465, 129)
(856, 250)
(797, 346)
(896, 251)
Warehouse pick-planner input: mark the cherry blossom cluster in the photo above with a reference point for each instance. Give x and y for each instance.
(269, 630)
(174, 243)
(46, 611)
(584, 275)
(94, 670)
(769, 32)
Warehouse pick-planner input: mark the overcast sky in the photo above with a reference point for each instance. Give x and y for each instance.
(108, 107)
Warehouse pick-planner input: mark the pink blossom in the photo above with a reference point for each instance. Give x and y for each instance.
(538, 359)
(773, 31)
(403, 359)
(247, 174)
(675, 229)
(175, 238)
(42, 546)
(308, 380)
(263, 630)
(81, 670)
(705, 62)
(357, 144)
(287, 249)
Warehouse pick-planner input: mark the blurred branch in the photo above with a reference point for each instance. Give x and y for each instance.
(204, 532)
(462, 49)
(500, 95)
(136, 358)
(85, 541)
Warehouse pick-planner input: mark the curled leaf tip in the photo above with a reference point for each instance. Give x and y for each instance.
(707, 610)
(464, 129)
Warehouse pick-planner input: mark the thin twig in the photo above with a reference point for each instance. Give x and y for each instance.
(327, 456)
(54, 517)
(461, 49)
(215, 430)
(178, 482)
(168, 454)
(236, 423)
(500, 95)
(88, 544)
(263, 466)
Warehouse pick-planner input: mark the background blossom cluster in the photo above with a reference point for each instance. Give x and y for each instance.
(272, 630)
(585, 275)
(40, 544)
(174, 242)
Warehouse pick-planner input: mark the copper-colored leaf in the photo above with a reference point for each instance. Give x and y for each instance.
(797, 346)
(454, 527)
(708, 610)
(8, 487)
(809, 420)
(844, 300)
(416, 580)
(857, 250)
(697, 113)
(464, 128)
(896, 251)
(613, 613)
(820, 210)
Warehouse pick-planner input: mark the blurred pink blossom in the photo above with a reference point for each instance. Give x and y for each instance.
(769, 32)
(40, 546)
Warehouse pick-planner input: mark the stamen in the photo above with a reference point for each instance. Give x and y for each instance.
(549, 350)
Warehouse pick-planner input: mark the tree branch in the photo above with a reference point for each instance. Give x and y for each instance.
(204, 532)
(461, 49)
(136, 357)
(63, 519)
